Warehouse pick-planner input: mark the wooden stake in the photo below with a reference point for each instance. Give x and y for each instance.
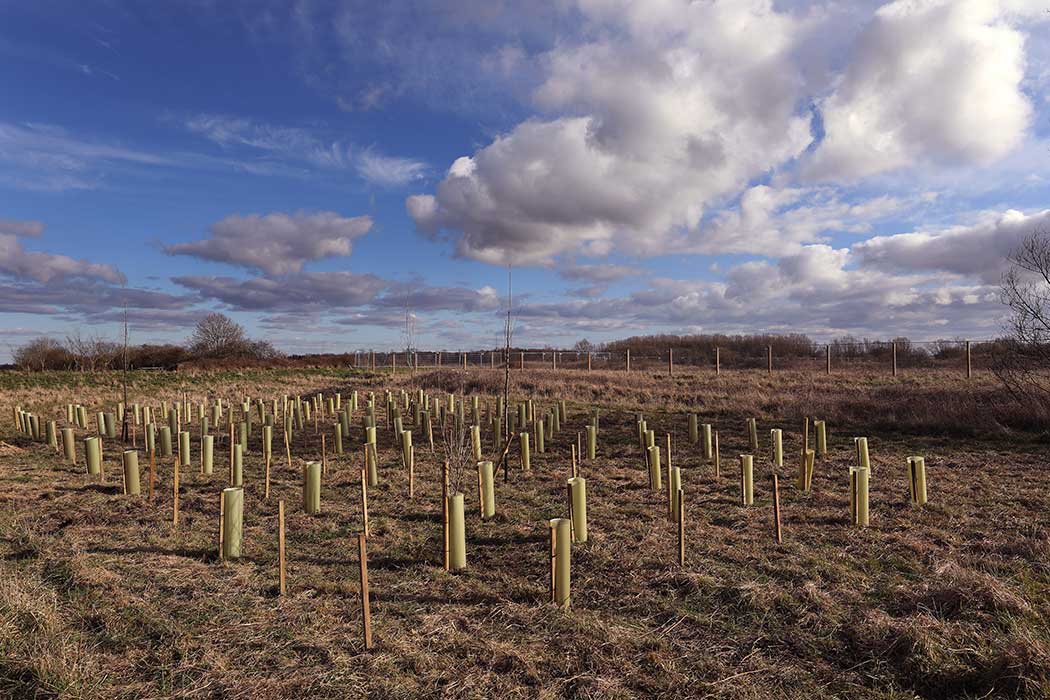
(776, 510)
(717, 456)
(412, 472)
(175, 495)
(364, 492)
(554, 547)
(324, 457)
(266, 496)
(573, 459)
(231, 446)
(366, 614)
(288, 449)
(718, 362)
(568, 503)
(222, 522)
(681, 528)
(280, 547)
(444, 511)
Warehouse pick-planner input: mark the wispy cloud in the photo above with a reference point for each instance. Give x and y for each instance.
(388, 171)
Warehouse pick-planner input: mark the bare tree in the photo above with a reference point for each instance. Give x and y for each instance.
(124, 371)
(1023, 364)
(218, 335)
(41, 354)
(508, 328)
(91, 353)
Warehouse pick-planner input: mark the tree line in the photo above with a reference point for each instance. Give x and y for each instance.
(215, 337)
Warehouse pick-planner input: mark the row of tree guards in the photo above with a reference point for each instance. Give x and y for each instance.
(554, 359)
(463, 431)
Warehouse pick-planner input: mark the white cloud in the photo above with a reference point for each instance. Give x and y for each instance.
(980, 249)
(287, 142)
(17, 262)
(277, 243)
(675, 106)
(390, 171)
(931, 81)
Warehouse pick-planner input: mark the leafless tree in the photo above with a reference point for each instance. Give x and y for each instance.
(458, 453)
(508, 329)
(124, 371)
(1023, 364)
(41, 354)
(91, 353)
(217, 335)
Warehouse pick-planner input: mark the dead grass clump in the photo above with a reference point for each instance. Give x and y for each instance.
(40, 655)
(958, 593)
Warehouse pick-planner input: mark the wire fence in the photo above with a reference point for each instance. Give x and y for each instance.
(965, 356)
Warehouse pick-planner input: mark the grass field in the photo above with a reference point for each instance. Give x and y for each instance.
(101, 597)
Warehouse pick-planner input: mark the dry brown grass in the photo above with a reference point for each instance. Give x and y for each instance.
(100, 597)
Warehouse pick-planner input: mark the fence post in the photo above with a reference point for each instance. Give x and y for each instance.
(827, 352)
(628, 366)
(718, 361)
(769, 359)
(521, 360)
(554, 359)
(969, 363)
(670, 362)
(894, 353)
(464, 356)
(588, 362)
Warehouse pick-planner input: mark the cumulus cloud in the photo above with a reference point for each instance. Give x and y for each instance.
(936, 80)
(598, 273)
(277, 243)
(674, 106)
(818, 290)
(300, 292)
(980, 249)
(17, 262)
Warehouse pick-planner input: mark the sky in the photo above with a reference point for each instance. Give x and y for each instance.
(319, 170)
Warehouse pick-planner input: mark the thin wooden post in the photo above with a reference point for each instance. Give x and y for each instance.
(412, 472)
(364, 492)
(175, 495)
(628, 361)
(776, 511)
(681, 528)
(670, 362)
(717, 456)
(588, 362)
(324, 456)
(444, 511)
(893, 352)
(288, 448)
(463, 356)
(521, 360)
(553, 550)
(222, 522)
(969, 362)
(718, 361)
(769, 359)
(574, 472)
(269, 458)
(280, 547)
(554, 360)
(366, 613)
(827, 355)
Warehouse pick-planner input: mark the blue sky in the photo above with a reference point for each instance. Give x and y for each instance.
(313, 168)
